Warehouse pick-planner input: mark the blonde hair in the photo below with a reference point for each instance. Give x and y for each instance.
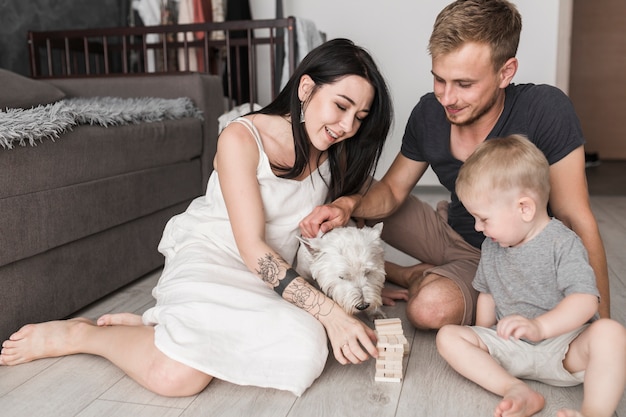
(503, 164)
(496, 23)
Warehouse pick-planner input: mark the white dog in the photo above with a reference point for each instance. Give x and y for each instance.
(348, 264)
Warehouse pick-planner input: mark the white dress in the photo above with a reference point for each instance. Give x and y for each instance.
(216, 316)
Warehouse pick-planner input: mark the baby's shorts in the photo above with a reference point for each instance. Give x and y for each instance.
(539, 362)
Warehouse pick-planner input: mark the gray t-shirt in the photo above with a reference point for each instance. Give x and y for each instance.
(533, 278)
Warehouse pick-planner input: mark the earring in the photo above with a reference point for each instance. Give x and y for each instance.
(301, 112)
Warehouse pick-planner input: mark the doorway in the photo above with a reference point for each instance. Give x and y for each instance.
(598, 74)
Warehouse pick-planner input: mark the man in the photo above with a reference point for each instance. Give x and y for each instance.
(473, 47)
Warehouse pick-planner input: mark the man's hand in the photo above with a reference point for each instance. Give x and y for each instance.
(329, 216)
(390, 296)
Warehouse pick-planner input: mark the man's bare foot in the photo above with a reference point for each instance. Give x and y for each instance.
(120, 319)
(390, 296)
(568, 413)
(43, 340)
(520, 401)
(405, 276)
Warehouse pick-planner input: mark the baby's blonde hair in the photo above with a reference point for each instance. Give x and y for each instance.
(503, 164)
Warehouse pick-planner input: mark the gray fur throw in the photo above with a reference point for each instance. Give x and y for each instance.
(29, 126)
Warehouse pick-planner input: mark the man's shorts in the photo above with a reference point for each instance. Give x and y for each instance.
(417, 230)
(541, 362)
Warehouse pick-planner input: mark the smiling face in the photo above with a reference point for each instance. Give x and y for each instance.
(334, 112)
(466, 84)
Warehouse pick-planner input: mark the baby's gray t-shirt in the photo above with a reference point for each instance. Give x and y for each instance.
(533, 278)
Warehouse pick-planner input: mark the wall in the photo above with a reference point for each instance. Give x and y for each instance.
(396, 33)
(17, 17)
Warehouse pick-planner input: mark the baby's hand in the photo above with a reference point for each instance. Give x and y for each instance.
(519, 327)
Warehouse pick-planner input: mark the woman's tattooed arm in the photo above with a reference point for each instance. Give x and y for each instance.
(305, 296)
(269, 268)
(299, 292)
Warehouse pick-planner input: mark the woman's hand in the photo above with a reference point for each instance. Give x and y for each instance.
(352, 341)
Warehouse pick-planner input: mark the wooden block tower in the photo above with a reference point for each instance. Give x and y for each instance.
(392, 346)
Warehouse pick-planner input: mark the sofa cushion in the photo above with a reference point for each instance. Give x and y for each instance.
(60, 281)
(23, 93)
(36, 222)
(89, 153)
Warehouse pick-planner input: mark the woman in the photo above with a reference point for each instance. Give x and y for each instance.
(228, 304)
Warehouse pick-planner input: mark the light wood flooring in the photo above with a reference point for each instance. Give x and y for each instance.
(86, 386)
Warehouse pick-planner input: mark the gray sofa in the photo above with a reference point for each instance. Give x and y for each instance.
(81, 215)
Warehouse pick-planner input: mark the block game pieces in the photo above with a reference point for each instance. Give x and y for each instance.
(392, 346)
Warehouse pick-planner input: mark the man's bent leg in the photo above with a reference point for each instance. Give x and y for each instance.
(419, 231)
(435, 302)
(405, 276)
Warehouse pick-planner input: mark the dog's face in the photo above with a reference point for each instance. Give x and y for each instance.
(348, 264)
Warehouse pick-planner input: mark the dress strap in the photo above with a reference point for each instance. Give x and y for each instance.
(252, 128)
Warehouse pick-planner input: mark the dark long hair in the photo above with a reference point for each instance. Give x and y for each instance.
(354, 160)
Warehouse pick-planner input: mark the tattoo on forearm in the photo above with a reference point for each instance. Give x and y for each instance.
(307, 298)
(269, 267)
(300, 292)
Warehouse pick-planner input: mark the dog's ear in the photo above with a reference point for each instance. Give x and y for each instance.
(378, 227)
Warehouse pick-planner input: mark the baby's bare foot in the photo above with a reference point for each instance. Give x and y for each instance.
(120, 319)
(42, 340)
(519, 401)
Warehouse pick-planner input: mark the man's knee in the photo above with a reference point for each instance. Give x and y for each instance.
(435, 303)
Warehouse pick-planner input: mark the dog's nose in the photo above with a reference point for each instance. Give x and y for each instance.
(363, 306)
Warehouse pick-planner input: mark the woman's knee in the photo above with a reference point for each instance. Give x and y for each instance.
(172, 379)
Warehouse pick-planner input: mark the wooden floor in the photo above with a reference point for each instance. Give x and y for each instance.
(85, 386)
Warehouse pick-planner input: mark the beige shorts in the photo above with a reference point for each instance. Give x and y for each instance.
(417, 230)
(541, 362)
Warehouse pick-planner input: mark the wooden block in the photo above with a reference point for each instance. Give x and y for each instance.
(389, 365)
(385, 322)
(388, 326)
(388, 376)
(397, 353)
(392, 346)
(386, 379)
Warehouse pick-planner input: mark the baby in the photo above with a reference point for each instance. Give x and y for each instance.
(536, 315)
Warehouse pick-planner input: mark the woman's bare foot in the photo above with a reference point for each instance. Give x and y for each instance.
(405, 276)
(120, 319)
(568, 413)
(520, 401)
(43, 340)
